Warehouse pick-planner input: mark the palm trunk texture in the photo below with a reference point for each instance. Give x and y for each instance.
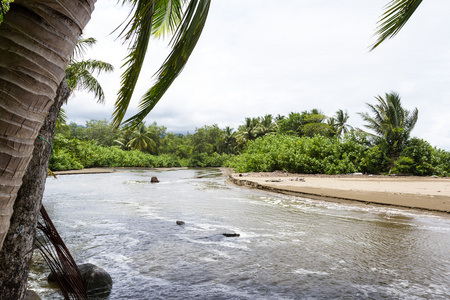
(17, 250)
(36, 39)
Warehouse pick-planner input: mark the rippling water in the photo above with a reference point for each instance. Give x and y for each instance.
(289, 247)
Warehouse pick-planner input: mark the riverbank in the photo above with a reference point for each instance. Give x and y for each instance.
(427, 193)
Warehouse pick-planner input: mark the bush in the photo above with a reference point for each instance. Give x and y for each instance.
(306, 155)
(415, 159)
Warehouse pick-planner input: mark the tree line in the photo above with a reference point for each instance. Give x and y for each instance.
(302, 142)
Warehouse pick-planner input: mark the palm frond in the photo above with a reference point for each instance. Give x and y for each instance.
(137, 32)
(394, 17)
(92, 66)
(61, 121)
(82, 45)
(79, 76)
(89, 83)
(168, 15)
(59, 259)
(183, 43)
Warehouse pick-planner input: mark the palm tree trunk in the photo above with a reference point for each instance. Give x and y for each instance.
(36, 39)
(17, 248)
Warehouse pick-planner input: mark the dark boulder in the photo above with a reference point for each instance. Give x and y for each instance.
(231, 234)
(180, 223)
(154, 179)
(97, 281)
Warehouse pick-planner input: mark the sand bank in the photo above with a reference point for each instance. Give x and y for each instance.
(414, 192)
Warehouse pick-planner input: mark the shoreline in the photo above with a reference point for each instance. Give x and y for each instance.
(425, 193)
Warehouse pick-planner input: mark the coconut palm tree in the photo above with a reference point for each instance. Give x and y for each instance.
(141, 140)
(247, 131)
(339, 122)
(17, 249)
(266, 125)
(391, 123)
(229, 140)
(80, 73)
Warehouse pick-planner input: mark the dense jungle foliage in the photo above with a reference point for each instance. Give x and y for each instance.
(306, 142)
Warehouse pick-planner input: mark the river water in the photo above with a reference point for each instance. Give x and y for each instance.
(288, 248)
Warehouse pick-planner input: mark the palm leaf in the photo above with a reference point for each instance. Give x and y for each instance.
(167, 17)
(395, 16)
(79, 76)
(183, 43)
(82, 45)
(137, 32)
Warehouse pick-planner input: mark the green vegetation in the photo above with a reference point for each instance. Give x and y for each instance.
(391, 123)
(306, 142)
(4, 7)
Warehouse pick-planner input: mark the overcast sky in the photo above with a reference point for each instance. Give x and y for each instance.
(258, 57)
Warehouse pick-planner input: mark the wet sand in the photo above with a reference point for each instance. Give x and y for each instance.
(428, 193)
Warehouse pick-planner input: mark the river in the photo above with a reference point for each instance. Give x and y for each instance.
(288, 248)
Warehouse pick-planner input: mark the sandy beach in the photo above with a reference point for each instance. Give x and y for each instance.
(428, 193)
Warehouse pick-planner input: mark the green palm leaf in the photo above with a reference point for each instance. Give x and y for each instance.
(395, 16)
(183, 44)
(167, 17)
(82, 45)
(79, 76)
(137, 33)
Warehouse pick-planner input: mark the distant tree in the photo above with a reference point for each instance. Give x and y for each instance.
(391, 124)
(266, 125)
(247, 131)
(307, 123)
(207, 139)
(339, 123)
(156, 133)
(229, 142)
(291, 125)
(101, 131)
(176, 144)
(141, 139)
(75, 131)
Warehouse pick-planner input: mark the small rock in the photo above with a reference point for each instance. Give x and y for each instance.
(31, 295)
(231, 234)
(180, 223)
(298, 179)
(154, 179)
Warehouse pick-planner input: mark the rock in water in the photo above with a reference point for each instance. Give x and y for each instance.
(180, 223)
(154, 179)
(231, 234)
(31, 295)
(97, 281)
